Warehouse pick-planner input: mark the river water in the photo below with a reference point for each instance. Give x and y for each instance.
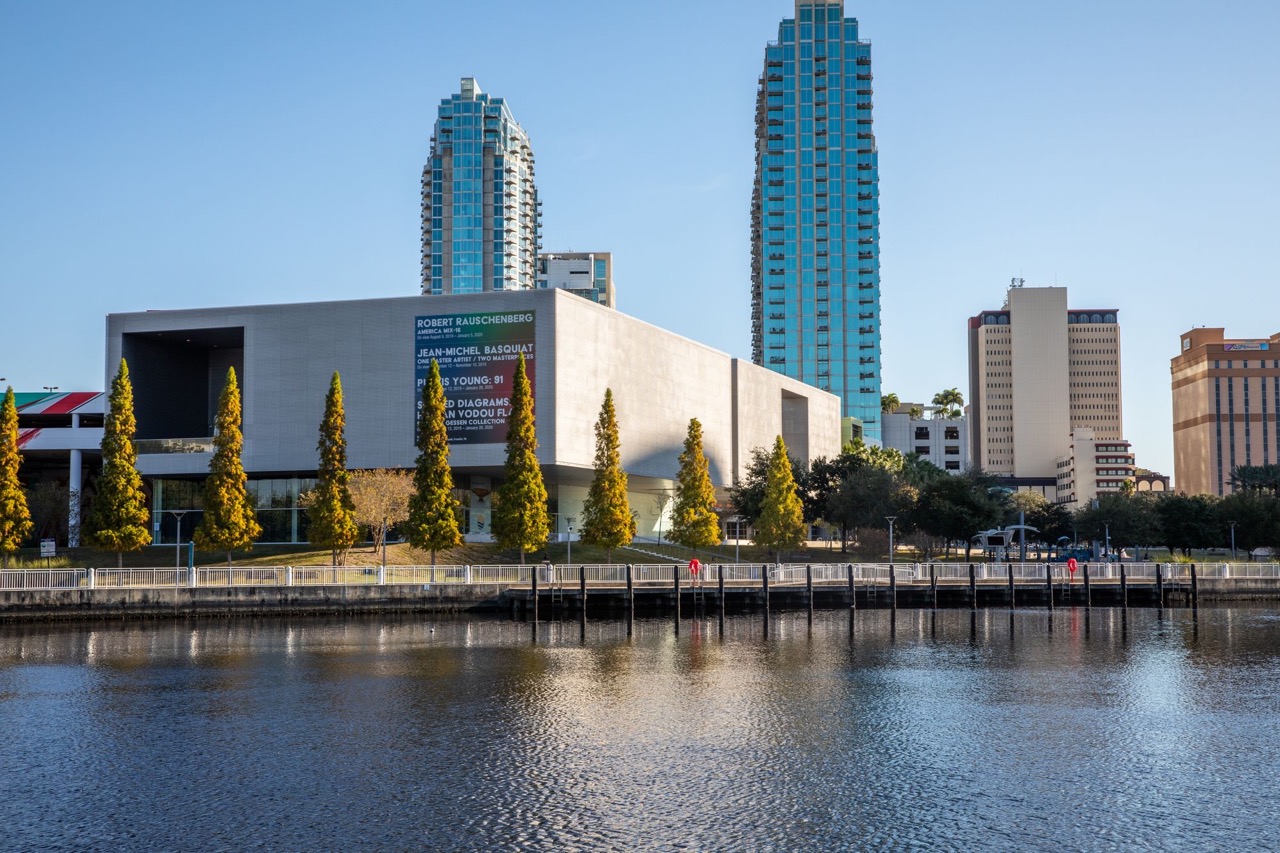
(949, 731)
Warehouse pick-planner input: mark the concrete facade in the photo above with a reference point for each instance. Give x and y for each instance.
(1226, 408)
(1091, 467)
(941, 441)
(286, 354)
(588, 274)
(1037, 371)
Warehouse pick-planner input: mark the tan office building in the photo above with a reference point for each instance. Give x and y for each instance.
(1092, 467)
(1038, 370)
(1226, 396)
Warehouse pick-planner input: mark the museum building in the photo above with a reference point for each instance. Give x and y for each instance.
(285, 355)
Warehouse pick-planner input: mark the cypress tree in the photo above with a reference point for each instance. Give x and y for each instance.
(120, 521)
(15, 517)
(520, 511)
(332, 512)
(433, 508)
(694, 523)
(781, 521)
(230, 522)
(607, 521)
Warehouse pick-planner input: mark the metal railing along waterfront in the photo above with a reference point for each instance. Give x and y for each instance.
(615, 574)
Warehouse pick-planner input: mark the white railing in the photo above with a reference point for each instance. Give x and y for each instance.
(18, 579)
(138, 577)
(613, 575)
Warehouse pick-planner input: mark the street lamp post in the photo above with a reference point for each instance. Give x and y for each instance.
(384, 543)
(891, 519)
(1233, 540)
(177, 536)
(50, 388)
(568, 556)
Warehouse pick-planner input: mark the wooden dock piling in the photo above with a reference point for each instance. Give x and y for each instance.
(1012, 595)
(808, 588)
(853, 592)
(933, 586)
(1048, 582)
(720, 595)
(631, 602)
(533, 591)
(1160, 585)
(893, 588)
(1124, 588)
(675, 584)
(1088, 600)
(1195, 589)
(973, 587)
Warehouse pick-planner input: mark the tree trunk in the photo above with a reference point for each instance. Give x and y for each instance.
(433, 558)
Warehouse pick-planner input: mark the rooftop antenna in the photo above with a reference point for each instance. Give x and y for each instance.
(1017, 282)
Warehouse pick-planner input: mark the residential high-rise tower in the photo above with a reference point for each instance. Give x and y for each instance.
(815, 212)
(479, 203)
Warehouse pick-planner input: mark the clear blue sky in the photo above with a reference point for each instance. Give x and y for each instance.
(173, 155)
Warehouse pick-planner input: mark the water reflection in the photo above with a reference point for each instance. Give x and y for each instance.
(914, 728)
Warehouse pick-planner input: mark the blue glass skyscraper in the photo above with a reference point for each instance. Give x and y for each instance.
(479, 203)
(815, 213)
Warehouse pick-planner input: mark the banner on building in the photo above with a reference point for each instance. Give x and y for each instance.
(477, 355)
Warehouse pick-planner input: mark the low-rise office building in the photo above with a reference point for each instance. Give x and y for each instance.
(941, 441)
(284, 356)
(1091, 467)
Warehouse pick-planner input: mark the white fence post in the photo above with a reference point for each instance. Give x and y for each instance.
(89, 575)
(288, 575)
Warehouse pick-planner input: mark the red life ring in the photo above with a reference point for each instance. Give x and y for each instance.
(1072, 565)
(694, 565)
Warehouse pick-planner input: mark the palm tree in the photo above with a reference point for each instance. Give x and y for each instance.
(1256, 478)
(889, 403)
(949, 404)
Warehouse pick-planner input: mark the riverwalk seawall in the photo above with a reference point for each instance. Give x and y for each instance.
(543, 591)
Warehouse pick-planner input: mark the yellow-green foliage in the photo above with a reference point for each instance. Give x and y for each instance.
(520, 512)
(433, 508)
(781, 521)
(230, 522)
(332, 513)
(15, 518)
(607, 520)
(694, 523)
(119, 520)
